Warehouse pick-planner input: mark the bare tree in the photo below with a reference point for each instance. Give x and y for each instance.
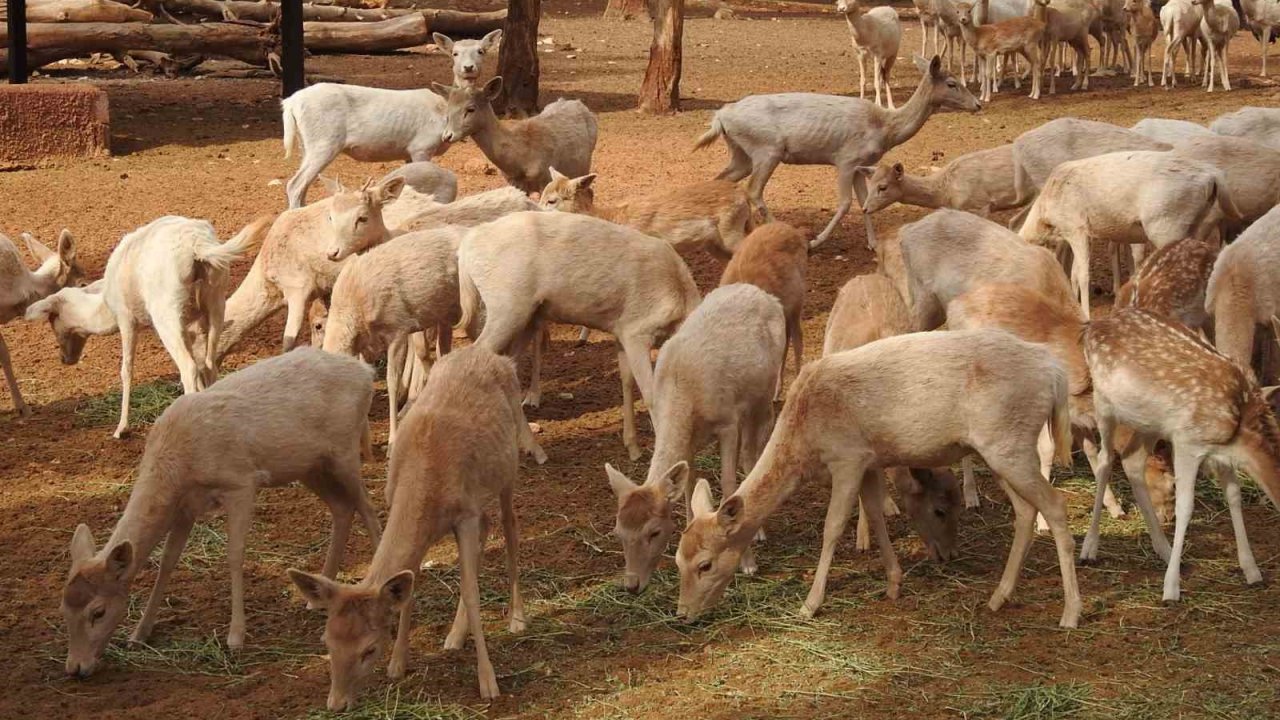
(660, 91)
(627, 10)
(518, 59)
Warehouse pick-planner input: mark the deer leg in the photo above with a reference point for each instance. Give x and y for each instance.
(628, 406)
(1135, 468)
(399, 349)
(315, 159)
(1042, 497)
(1102, 476)
(846, 483)
(971, 497)
(343, 513)
(128, 344)
(297, 299)
(761, 171)
(173, 546)
(1023, 534)
(511, 534)
(239, 517)
(7, 365)
(468, 535)
(1231, 485)
(1186, 463)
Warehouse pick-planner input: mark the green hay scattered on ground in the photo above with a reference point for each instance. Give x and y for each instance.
(392, 704)
(146, 403)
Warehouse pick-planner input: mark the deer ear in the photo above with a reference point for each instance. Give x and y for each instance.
(442, 88)
(443, 41)
(66, 247)
(491, 40)
(701, 504)
(398, 590)
(493, 88)
(38, 250)
(317, 589)
(921, 63)
(865, 170)
(331, 186)
(1269, 391)
(673, 482)
(82, 544)
(730, 513)
(584, 182)
(43, 309)
(389, 189)
(119, 558)
(621, 484)
(556, 174)
(935, 67)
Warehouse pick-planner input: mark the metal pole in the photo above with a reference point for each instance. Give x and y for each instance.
(17, 40)
(290, 45)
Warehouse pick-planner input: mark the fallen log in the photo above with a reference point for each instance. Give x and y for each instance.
(49, 42)
(58, 11)
(450, 22)
(385, 36)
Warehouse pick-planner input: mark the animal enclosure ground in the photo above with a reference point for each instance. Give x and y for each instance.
(211, 149)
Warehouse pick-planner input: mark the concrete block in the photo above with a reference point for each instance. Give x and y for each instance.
(44, 121)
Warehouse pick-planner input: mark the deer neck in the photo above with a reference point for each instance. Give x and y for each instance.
(493, 136)
(902, 124)
(773, 479)
(673, 430)
(93, 316)
(148, 516)
(415, 523)
(927, 191)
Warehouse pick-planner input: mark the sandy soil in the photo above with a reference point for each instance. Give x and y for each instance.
(211, 149)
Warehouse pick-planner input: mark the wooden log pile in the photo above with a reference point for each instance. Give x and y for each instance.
(243, 30)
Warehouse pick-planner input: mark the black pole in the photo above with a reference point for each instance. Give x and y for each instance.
(17, 40)
(290, 45)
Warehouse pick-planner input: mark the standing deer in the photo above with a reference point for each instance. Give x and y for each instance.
(764, 131)
(1161, 379)
(19, 287)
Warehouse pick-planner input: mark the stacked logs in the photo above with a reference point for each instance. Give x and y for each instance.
(235, 29)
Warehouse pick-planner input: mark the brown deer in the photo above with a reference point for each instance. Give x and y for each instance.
(461, 445)
(1171, 282)
(1022, 35)
(1161, 379)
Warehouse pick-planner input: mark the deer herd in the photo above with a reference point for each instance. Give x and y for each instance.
(969, 339)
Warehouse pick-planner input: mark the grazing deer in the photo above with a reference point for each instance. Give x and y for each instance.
(19, 287)
(299, 417)
(979, 182)
(714, 379)
(462, 446)
(1161, 379)
(919, 400)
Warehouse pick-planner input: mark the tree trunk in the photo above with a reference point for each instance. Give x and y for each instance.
(375, 37)
(518, 59)
(627, 10)
(53, 11)
(660, 91)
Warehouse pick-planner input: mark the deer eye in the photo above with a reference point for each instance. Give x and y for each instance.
(951, 83)
(97, 615)
(654, 535)
(884, 187)
(362, 219)
(704, 567)
(367, 655)
(939, 512)
(479, 52)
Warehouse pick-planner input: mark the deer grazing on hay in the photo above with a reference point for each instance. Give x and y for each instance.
(300, 417)
(979, 391)
(1160, 378)
(19, 287)
(464, 438)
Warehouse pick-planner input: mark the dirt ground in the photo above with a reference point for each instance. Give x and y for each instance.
(211, 149)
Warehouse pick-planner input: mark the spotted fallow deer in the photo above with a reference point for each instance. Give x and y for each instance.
(1163, 380)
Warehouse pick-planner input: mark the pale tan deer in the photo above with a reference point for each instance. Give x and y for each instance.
(299, 417)
(714, 380)
(19, 287)
(919, 400)
(462, 444)
(1160, 378)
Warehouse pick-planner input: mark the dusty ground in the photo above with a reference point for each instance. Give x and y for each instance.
(211, 149)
